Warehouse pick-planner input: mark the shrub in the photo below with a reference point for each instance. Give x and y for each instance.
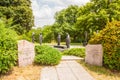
(109, 37)
(8, 48)
(28, 35)
(47, 55)
(24, 37)
(80, 52)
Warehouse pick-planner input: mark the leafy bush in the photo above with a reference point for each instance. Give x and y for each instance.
(47, 55)
(48, 34)
(8, 48)
(80, 52)
(25, 37)
(28, 35)
(109, 37)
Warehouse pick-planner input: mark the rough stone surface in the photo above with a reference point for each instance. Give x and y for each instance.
(94, 54)
(26, 53)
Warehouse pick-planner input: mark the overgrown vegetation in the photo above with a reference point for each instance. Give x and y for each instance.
(80, 52)
(109, 37)
(8, 48)
(47, 55)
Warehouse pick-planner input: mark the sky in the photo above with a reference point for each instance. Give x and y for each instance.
(44, 10)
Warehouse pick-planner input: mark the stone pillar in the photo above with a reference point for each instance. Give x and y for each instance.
(26, 53)
(94, 54)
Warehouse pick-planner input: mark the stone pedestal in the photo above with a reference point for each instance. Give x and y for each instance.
(94, 54)
(26, 53)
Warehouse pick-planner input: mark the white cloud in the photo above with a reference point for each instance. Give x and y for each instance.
(77, 2)
(35, 7)
(44, 10)
(58, 8)
(42, 22)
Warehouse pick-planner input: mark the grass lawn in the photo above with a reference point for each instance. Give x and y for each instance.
(101, 73)
(62, 43)
(76, 44)
(31, 72)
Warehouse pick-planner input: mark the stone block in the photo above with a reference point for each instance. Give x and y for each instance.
(94, 54)
(26, 53)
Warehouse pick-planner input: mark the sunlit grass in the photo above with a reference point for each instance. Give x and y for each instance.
(77, 44)
(62, 43)
(101, 73)
(30, 72)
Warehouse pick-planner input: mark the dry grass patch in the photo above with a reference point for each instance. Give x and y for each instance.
(101, 73)
(31, 72)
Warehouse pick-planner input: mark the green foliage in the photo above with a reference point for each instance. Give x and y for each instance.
(8, 48)
(90, 17)
(20, 12)
(65, 22)
(48, 34)
(37, 33)
(47, 55)
(80, 52)
(25, 37)
(94, 15)
(109, 37)
(28, 35)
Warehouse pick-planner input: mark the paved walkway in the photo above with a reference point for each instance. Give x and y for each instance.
(62, 49)
(69, 58)
(66, 70)
(75, 46)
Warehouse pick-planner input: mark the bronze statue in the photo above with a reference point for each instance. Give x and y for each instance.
(68, 40)
(59, 39)
(40, 38)
(33, 38)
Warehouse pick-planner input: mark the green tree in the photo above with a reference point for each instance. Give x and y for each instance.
(65, 22)
(21, 13)
(90, 17)
(94, 15)
(48, 34)
(28, 35)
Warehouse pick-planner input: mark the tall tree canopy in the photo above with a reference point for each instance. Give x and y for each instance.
(90, 17)
(65, 21)
(21, 13)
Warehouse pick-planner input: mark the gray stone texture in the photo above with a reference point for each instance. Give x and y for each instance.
(66, 70)
(94, 54)
(26, 53)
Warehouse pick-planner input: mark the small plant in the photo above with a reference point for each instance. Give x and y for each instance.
(47, 55)
(80, 52)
